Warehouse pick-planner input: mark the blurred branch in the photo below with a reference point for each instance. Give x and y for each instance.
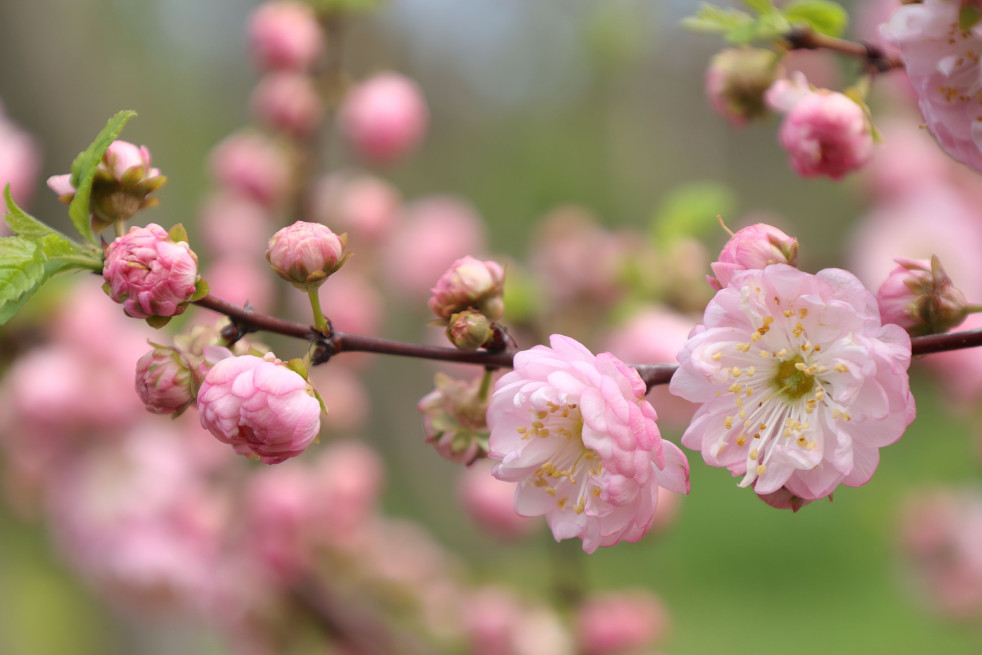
(877, 61)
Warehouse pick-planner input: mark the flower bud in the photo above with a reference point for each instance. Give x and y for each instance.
(285, 35)
(149, 273)
(753, 247)
(124, 180)
(470, 284)
(259, 406)
(469, 330)
(824, 132)
(165, 381)
(287, 101)
(454, 419)
(384, 117)
(305, 254)
(736, 81)
(618, 623)
(920, 297)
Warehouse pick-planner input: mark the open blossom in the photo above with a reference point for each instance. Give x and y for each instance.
(800, 384)
(942, 63)
(575, 431)
(824, 132)
(754, 246)
(260, 407)
(149, 273)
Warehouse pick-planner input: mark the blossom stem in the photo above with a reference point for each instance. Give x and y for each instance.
(876, 59)
(320, 321)
(482, 393)
(973, 309)
(119, 226)
(333, 343)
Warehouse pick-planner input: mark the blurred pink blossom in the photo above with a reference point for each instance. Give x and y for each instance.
(242, 280)
(621, 623)
(232, 224)
(495, 622)
(359, 204)
(20, 161)
(254, 166)
(288, 102)
(384, 117)
(284, 34)
(491, 502)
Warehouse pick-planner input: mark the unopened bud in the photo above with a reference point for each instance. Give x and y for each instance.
(384, 117)
(469, 330)
(165, 381)
(454, 419)
(305, 254)
(753, 247)
(920, 297)
(736, 81)
(470, 284)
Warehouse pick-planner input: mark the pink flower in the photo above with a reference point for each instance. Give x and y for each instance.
(287, 101)
(942, 63)
(575, 431)
(755, 246)
(305, 254)
(824, 132)
(149, 273)
(254, 166)
(164, 381)
(470, 283)
(621, 622)
(384, 117)
(920, 297)
(260, 407)
(800, 384)
(284, 34)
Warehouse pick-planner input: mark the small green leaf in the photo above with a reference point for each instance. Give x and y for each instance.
(200, 289)
(178, 234)
(760, 6)
(691, 211)
(60, 251)
(22, 272)
(157, 322)
(823, 16)
(83, 173)
(711, 19)
(968, 16)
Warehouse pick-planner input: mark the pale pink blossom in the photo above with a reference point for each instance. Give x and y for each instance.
(575, 431)
(165, 381)
(384, 117)
(495, 622)
(287, 101)
(942, 63)
(347, 478)
(359, 204)
(469, 283)
(260, 407)
(490, 502)
(284, 34)
(824, 132)
(754, 246)
(20, 161)
(254, 166)
(800, 384)
(619, 623)
(149, 273)
(305, 254)
(433, 233)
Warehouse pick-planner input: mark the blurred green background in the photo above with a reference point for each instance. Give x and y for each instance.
(535, 103)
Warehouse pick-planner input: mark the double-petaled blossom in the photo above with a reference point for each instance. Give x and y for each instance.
(260, 407)
(576, 433)
(942, 62)
(920, 297)
(165, 380)
(149, 273)
(824, 132)
(754, 246)
(800, 383)
(305, 254)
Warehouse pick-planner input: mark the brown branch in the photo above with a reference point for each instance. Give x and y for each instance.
(877, 61)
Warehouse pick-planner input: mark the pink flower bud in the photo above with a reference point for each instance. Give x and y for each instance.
(824, 132)
(490, 502)
(920, 297)
(149, 273)
(384, 117)
(260, 407)
(164, 381)
(305, 254)
(736, 81)
(253, 166)
(454, 419)
(753, 247)
(469, 330)
(122, 185)
(287, 101)
(624, 622)
(285, 34)
(470, 284)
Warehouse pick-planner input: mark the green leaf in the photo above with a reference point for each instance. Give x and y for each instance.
(711, 19)
(83, 173)
(968, 16)
(760, 6)
(824, 16)
(22, 272)
(691, 211)
(60, 251)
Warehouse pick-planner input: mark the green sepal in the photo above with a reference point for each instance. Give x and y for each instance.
(857, 93)
(157, 322)
(200, 290)
(83, 173)
(968, 17)
(178, 234)
(320, 401)
(297, 366)
(823, 16)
